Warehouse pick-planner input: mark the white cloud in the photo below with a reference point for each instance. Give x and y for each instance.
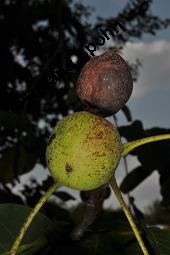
(154, 73)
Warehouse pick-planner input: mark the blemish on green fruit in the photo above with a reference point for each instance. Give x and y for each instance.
(68, 168)
(84, 151)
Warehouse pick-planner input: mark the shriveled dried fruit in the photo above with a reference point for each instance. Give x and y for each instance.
(105, 84)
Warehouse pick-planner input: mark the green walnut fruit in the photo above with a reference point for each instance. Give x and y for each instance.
(83, 151)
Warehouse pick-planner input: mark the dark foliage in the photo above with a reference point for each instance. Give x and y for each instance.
(153, 157)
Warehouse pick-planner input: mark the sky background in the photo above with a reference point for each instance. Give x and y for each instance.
(150, 101)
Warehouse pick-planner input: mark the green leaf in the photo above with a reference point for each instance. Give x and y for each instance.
(109, 234)
(134, 178)
(15, 161)
(114, 242)
(12, 217)
(29, 249)
(121, 240)
(160, 239)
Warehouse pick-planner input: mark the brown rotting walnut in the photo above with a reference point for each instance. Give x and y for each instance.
(105, 84)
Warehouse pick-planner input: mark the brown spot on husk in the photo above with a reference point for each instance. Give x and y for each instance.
(68, 168)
